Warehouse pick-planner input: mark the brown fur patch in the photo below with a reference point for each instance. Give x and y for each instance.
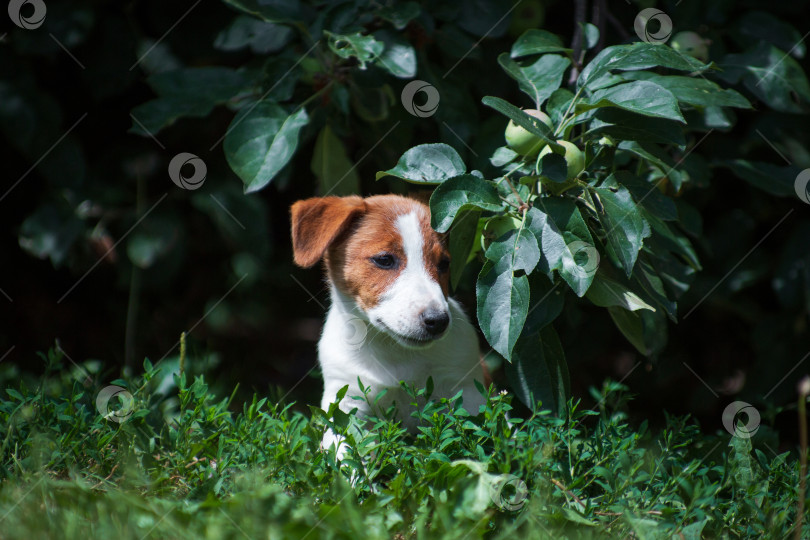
(318, 222)
(363, 231)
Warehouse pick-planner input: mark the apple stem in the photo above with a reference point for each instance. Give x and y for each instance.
(520, 200)
(565, 118)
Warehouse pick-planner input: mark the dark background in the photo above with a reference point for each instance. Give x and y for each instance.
(84, 197)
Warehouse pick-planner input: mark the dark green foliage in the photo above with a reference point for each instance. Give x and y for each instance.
(689, 165)
(186, 464)
(283, 100)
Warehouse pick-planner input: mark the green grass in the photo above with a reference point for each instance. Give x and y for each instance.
(187, 464)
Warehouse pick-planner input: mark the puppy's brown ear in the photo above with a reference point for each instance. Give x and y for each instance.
(317, 223)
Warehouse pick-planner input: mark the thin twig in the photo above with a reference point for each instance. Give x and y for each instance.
(510, 203)
(112, 471)
(600, 21)
(514, 191)
(651, 512)
(566, 490)
(617, 25)
(576, 44)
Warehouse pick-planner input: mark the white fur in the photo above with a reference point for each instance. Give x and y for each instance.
(369, 345)
(414, 290)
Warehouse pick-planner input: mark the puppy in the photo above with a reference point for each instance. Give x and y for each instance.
(390, 318)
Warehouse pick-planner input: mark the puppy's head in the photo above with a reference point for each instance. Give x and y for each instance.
(382, 253)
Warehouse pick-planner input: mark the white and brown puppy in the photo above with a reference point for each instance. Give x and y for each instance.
(390, 319)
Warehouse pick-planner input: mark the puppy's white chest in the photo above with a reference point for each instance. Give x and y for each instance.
(352, 352)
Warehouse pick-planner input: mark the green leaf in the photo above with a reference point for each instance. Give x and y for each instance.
(553, 166)
(427, 164)
(771, 75)
(364, 48)
(398, 57)
(333, 168)
(547, 301)
(647, 195)
(676, 276)
(677, 243)
(280, 11)
(605, 292)
(651, 285)
(484, 18)
(260, 141)
(526, 121)
(626, 126)
(591, 35)
(645, 330)
(503, 155)
(566, 242)
(624, 226)
(371, 104)
(644, 527)
(636, 56)
(191, 92)
(709, 118)
(536, 41)
(558, 104)
(400, 13)
(50, 232)
(575, 517)
(694, 531)
(503, 302)
(630, 325)
(154, 115)
(279, 76)
(695, 91)
(745, 471)
(774, 179)
(517, 245)
(761, 26)
(640, 97)
(461, 193)
(262, 37)
(549, 237)
(539, 371)
(537, 79)
(210, 84)
(656, 156)
(462, 239)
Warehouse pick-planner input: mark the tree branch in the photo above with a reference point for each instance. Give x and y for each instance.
(614, 22)
(580, 6)
(599, 20)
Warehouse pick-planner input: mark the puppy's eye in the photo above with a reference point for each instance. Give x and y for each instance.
(444, 265)
(386, 261)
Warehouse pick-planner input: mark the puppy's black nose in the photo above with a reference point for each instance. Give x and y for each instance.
(435, 321)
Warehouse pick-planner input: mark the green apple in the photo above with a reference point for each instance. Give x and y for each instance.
(497, 227)
(523, 141)
(692, 44)
(500, 225)
(573, 157)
